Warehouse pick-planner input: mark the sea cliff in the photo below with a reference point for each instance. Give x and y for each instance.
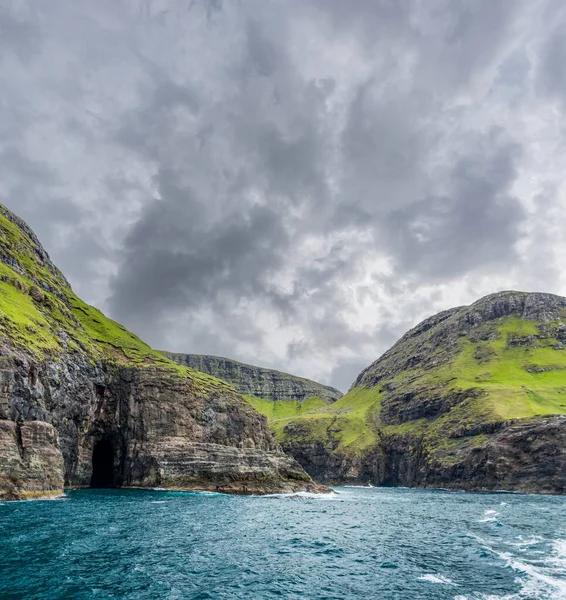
(85, 402)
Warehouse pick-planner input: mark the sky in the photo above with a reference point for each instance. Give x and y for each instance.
(289, 183)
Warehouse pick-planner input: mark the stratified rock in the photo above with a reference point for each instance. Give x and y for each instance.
(85, 402)
(257, 381)
(31, 463)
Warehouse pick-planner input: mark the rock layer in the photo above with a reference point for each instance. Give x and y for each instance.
(257, 381)
(31, 463)
(83, 400)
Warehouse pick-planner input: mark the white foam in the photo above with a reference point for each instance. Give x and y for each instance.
(539, 583)
(559, 554)
(535, 573)
(489, 516)
(527, 543)
(436, 579)
(303, 495)
(363, 487)
(42, 499)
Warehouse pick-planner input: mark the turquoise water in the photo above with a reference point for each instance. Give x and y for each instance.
(360, 543)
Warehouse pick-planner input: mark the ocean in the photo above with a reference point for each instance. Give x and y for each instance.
(381, 543)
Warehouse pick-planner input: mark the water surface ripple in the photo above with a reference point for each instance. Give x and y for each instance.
(360, 543)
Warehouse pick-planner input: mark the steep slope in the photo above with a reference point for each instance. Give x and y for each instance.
(276, 395)
(83, 400)
(472, 398)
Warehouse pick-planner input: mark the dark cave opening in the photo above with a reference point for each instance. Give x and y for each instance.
(103, 465)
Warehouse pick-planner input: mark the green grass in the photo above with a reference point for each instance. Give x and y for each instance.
(286, 408)
(508, 383)
(22, 322)
(346, 425)
(111, 336)
(513, 387)
(15, 244)
(509, 380)
(513, 381)
(62, 322)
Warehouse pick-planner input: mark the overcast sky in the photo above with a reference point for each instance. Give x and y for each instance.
(291, 183)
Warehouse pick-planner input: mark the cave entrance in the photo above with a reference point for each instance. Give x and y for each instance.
(103, 465)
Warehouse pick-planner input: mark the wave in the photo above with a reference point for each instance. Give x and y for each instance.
(544, 582)
(363, 487)
(302, 495)
(42, 499)
(437, 579)
(489, 516)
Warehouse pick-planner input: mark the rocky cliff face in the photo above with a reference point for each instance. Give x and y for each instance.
(85, 402)
(473, 398)
(257, 381)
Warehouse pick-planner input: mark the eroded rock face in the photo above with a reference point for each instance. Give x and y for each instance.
(161, 431)
(31, 463)
(473, 448)
(521, 455)
(257, 381)
(324, 463)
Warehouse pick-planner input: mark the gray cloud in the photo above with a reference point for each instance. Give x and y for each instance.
(476, 223)
(288, 183)
(551, 74)
(347, 371)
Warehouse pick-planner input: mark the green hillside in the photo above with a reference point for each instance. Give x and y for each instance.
(41, 315)
(447, 382)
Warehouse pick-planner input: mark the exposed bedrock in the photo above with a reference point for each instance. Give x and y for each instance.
(257, 381)
(140, 427)
(31, 463)
(83, 401)
(521, 455)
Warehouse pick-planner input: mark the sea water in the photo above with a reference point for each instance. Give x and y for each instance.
(359, 543)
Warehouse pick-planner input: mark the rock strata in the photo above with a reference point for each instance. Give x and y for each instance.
(31, 463)
(257, 381)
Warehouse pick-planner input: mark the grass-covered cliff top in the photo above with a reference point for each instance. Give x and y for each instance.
(41, 316)
(450, 378)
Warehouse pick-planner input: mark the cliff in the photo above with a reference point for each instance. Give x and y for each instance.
(274, 394)
(258, 382)
(473, 398)
(85, 402)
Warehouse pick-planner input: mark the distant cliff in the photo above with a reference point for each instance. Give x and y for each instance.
(257, 381)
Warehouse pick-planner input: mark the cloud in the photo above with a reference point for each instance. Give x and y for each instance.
(292, 184)
(474, 223)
